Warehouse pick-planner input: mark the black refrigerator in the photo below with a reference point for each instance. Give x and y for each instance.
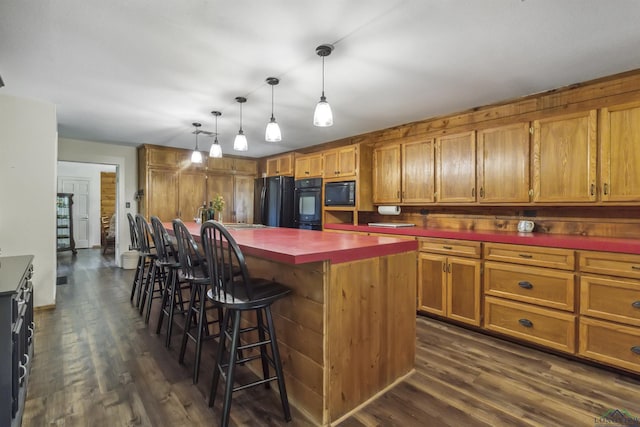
(274, 201)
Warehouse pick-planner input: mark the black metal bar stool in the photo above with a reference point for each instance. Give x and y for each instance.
(149, 278)
(197, 323)
(172, 301)
(238, 294)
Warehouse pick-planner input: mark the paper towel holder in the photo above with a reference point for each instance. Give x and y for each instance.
(389, 210)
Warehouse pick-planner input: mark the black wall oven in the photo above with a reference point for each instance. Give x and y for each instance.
(308, 203)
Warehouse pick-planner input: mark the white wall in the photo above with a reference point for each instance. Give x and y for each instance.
(28, 152)
(90, 171)
(125, 159)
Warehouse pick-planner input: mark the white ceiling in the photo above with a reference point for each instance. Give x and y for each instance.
(141, 71)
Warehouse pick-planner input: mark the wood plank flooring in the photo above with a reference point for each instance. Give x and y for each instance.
(97, 364)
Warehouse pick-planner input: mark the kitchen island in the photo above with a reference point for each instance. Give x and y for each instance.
(348, 330)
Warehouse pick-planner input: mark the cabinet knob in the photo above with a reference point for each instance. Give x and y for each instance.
(447, 247)
(635, 304)
(527, 256)
(526, 323)
(636, 349)
(593, 189)
(605, 188)
(525, 285)
(473, 192)
(481, 192)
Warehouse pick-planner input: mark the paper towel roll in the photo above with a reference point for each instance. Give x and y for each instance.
(389, 210)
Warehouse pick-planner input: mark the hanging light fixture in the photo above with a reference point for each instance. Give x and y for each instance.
(240, 143)
(272, 133)
(196, 156)
(323, 116)
(216, 150)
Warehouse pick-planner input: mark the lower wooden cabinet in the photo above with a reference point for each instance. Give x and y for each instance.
(611, 343)
(547, 327)
(450, 286)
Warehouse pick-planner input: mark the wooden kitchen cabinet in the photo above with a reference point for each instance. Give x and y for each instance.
(161, 194)
(341, 162)
(448, 285)
(404, 173)
(620, 153)
(564, 158)
(309, 166)
(280, 165)
(243, 187)
(192, 193)
(222, 184)
(503, 164)
(456, 168)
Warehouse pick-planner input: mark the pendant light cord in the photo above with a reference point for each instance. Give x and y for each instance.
(272, 102)
(323, 76)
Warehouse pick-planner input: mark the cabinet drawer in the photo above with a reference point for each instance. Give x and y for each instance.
(451, 247)
(530, 255)
(609, 299)
(613, 264)
(550, 328)
(541, 286)
(610, 343)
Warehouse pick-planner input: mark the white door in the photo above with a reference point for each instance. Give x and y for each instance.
(80, 189)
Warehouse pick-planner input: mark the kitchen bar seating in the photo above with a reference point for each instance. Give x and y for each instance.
(147, 251)
(197, 324)
(239, 294)
(134, 246)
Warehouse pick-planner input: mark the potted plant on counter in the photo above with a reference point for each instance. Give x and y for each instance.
(218, 206)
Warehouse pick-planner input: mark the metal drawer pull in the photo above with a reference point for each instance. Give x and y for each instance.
(525, 285)
(525, 256)
(447, 247)
(635, 304)
(526, 323)
(636, 349)
(635, 267)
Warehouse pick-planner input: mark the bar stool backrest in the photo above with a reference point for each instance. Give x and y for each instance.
(164, 248)
(191, 262)
(144, 234)
(224, 259)
(133, 233)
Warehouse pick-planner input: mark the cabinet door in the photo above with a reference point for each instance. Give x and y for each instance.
(162, 190)
(418, 171)
(192, 194)
(219, 184)
(160, 156)
(463, 290)
(273, 166)
(432, 277)
(285, 166)
(331, 164)
(347, 164)
(245, 166)
(386, 174)
(503, 164)
(315, 165)
(243, 199)
(456, 168)
(620, 153)
(223, 164)
(564, 158)
(302, 168)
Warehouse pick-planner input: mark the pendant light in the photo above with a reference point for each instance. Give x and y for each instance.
(216, 150)
(240, 143)
(323, 116)
(196, 156)
(272, 133)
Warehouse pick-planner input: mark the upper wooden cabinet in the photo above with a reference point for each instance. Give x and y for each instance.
(341, 162)
(620, 153)
(233, 165)
(456, 168)
(404, 173)
(160, 194)
(564, 158)
(309, 166)
(280, 165)
(503, 164)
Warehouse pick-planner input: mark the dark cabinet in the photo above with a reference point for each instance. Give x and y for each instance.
(16, 335)
(64, 223)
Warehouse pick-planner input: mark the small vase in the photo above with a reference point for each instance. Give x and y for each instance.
(219, 219)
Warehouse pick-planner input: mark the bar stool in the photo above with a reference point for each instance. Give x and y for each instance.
(237, 295)
(195, 272)
(147, 252)
(135, 246)
(172, 300)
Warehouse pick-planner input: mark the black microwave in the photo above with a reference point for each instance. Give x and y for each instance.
(341, 193)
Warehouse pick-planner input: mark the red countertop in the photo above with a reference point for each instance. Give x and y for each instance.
(294, 246)
(629, 246)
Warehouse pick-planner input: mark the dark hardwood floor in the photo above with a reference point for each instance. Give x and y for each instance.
(97, 364)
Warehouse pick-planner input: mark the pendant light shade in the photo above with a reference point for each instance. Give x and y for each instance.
(196, 156)
(323, 116)
(216, 151)
(240, 143)
(272, 133)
